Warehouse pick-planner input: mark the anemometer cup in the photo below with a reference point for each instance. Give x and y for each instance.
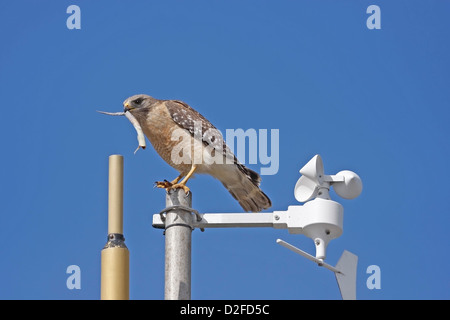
(350, 187)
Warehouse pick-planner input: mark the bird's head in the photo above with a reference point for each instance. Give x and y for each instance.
(138, 101)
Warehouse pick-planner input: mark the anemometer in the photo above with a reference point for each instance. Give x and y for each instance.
(321, 218)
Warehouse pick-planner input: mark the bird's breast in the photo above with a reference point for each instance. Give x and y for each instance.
(170, 141)
(177, 146)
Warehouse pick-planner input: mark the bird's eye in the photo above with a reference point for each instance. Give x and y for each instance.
(138, 101)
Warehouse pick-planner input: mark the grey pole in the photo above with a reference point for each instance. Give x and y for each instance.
(178, 234)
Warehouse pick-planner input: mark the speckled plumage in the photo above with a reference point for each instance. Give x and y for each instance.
(172, 125)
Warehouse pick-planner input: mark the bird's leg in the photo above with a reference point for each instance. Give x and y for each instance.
(176, 179)
(182, 184)
(166, 184)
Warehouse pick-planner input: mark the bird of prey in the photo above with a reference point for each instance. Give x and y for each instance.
(177, 131)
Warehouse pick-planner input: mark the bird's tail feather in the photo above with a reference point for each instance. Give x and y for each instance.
(244, 187)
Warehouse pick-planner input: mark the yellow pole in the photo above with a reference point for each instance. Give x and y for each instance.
(115, 257)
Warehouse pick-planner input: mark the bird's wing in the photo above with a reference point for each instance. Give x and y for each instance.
(191, 120)
(198, 126)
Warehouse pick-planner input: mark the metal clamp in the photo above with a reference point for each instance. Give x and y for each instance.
(115, 240)
(184, 208)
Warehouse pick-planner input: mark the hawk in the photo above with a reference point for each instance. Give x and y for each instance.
(189, 143)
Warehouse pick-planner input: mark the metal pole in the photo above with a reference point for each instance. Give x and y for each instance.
(115, 257)
(178, 234)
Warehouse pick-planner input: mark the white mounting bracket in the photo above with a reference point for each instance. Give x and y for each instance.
(319, 219)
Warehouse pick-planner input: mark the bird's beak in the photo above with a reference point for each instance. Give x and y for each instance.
(127, 107)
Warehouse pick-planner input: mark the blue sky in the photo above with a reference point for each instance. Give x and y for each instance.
(371, 101)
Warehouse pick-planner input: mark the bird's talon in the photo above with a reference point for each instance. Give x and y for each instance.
(163, 184)
(180, 186)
